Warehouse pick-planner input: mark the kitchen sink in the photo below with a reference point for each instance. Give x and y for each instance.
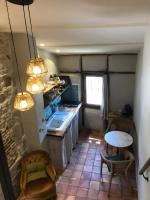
(55, 123)
(58, 120)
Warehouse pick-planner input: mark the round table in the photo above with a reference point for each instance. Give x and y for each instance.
(118, 139)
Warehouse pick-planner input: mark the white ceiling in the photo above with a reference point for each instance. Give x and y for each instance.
(83, 26)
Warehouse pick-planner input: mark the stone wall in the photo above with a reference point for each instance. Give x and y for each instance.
(1, 194)
(10, 124)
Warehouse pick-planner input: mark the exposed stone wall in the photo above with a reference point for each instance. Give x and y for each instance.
(1, 194)
(10, 124)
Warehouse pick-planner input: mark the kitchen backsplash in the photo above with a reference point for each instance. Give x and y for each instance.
(49, 110)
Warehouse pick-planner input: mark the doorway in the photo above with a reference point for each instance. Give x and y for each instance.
(92, 101)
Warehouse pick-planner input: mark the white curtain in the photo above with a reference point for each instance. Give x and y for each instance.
(105, 103)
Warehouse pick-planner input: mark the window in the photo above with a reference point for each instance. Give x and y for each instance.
(94, 90)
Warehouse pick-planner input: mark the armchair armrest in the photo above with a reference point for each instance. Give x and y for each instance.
(51, 172)
(23, 180)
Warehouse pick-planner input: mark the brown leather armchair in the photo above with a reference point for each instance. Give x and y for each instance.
(38, 177)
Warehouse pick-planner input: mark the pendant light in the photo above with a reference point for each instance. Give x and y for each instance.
(36, 66)
(35, 85)
(23, 100)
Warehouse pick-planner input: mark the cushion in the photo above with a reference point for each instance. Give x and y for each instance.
(119, 157)
(40, 189)
(36, 175)
(35, 166)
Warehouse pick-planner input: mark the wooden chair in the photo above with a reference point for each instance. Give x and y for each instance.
(120, 124)
(38, 177)
(117, 165)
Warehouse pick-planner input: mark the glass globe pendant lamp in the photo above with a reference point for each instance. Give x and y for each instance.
(23, 101)
(35, 85)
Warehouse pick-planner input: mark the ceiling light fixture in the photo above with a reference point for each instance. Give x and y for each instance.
(23, 100)
(42, 45)
(35, 63)
(36, 66)
(57, 50)
(20, 2)
(44, 70)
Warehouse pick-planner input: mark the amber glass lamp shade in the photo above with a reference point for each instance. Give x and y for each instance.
(36, 67)
(23, 101)
(35, 85)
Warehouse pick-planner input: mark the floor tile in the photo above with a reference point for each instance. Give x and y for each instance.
(70, 198)
(62, 188)
(82, 192)
(81, 179)
(89, 162)
(74, 181)
(87, 168)
(94, 185)
(102, 196)
(81, 198)
(64, 179)
(76, 174)
(96, 169)
(84, 183)
(60, 196)
(97, 163)
(95, 176)
(86, 175)
(72, 190)
(67, 173)
(93, 194)
(79, 167)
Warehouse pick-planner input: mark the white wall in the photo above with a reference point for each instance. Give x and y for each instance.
(50, 61)
(142, 114)
(33, 124)
(121, 85)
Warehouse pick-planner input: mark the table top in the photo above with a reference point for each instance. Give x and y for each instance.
(118, 139)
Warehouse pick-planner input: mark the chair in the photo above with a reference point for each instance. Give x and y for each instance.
(117, 165)
(38, 177)
(120, 124)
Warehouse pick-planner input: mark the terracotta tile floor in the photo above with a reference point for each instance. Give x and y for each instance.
(81, 179)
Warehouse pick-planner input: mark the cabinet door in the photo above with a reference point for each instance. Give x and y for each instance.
(75, 130)
(68, 140)
(57, 150)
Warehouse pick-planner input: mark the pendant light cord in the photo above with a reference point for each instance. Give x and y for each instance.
(33, 42)
(25, 21)
(13, 42)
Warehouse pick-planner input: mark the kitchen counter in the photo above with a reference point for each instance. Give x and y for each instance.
(62, 134)
(61, 119)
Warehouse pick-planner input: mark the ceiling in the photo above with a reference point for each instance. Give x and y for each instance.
(83, 26)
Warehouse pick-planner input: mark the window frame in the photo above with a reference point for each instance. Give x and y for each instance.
(84, 100)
